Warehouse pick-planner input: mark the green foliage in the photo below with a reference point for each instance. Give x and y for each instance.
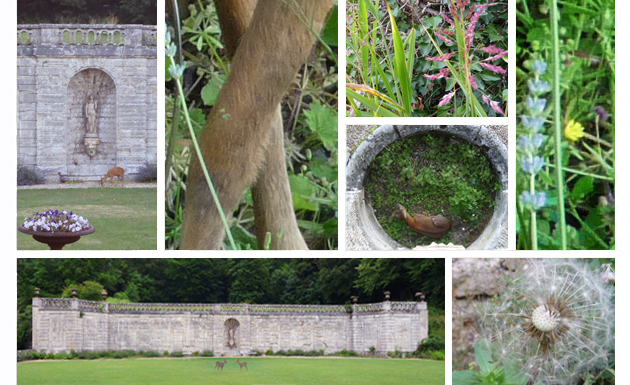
(435, 174)
(87, 11)
(147, 173)
(177, 354)
(586, 57)
(311, 148)
(152, 354)
(389, 88)
(207, 353)
(489, 373)
(88, 290)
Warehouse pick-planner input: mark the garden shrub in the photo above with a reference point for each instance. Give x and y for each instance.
(207, 353)
(29, 175)
(177, 354)
(147, 173)
(151, 354)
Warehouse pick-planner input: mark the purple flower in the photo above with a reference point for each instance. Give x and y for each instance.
(603, 115)
(532, 144)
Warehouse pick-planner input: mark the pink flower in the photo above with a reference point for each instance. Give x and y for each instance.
(443, 38)
(447, 19)
(446, 56)
(442, 74)
(445, 32)
(494, 105)
(446, 99)
(491, 49)
(497, 56)
(473, 82)
(495, 69)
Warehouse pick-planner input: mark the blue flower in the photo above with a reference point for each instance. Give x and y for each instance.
(539, 67)
(533, 123)
(536, 105)
(535, 200)
(532, 144)
(532, 165)
(538, 87)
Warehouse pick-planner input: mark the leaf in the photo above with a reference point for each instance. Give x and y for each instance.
(167, 65)
(465, 377)
(582, 188)
(302, 190)
(329, 34)
(483, 357)
(211, 90)
(322, 169)
(322, 120)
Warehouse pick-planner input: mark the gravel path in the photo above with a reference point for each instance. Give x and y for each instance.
(87, 185)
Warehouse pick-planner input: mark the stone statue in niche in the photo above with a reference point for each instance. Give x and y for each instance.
(231, 325)
(91, 137)
(90, 114)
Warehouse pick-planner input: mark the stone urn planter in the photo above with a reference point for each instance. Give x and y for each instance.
(56, 240)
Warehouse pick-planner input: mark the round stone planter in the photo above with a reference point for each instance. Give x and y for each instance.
(56, 241)
(362, 227)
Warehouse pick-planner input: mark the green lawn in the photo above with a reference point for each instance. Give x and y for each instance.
(124, 218)
(281, 371)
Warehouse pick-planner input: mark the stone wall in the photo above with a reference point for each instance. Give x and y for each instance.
(226, 329)
(59, 68)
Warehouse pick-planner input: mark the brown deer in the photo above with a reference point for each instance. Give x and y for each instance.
(431, 226)
(220, 365)
(116, 171)
(243, 140)
(242, 364)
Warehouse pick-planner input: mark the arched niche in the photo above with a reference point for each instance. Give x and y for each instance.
(232, 335)
(83, 161)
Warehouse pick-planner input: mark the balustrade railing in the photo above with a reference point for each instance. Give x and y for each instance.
(224, 308)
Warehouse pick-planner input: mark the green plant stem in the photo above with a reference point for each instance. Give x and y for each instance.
(558, 122)
(534, 230)
(201, 160)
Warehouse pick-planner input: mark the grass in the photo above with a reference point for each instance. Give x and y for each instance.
(124, 218)
(303, 371)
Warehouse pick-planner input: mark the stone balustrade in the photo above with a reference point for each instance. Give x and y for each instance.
(86, 40)
(225, 308)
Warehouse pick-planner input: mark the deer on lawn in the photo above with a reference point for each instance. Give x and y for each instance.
(243, 140)
(431, 226)
(220, 364)
(242, 364)
(116, 171)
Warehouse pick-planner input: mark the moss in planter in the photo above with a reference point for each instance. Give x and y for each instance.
(435, 174)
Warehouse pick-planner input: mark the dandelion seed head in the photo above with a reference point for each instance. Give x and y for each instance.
(554, 321)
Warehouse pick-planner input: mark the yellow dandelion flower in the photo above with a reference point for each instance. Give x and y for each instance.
(573, 131)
